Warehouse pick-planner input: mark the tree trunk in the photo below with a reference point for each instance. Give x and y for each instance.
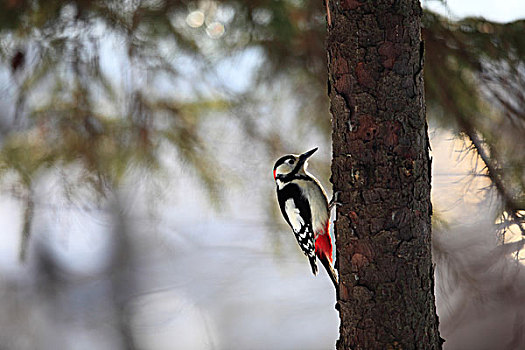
(381, 165)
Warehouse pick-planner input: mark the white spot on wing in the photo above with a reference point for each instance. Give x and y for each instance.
(294, 215)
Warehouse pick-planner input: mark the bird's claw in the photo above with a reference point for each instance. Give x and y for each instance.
(335, 200)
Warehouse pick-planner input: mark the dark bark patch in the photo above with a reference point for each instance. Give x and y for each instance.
(343, 79)
(394, 346)
(353, 217)
(343, 292)
(367, 129)
(358, 177)
(404, 151)
(362, 293)
(401, 217)
(369, 33)
(376, 225)
(341, 66)
(372, 196)
(405, 251)
(364, 77)
(388, 242)
(407, 168)
(392, 129)
(365, 103)
(394, 28)
(407, 233)
(389, 53)
(343, 85)
(359, 261)
(350, 4)
(402, 68)
(364, 248)
(344, 222)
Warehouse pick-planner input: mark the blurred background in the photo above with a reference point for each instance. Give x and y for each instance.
(137, 205)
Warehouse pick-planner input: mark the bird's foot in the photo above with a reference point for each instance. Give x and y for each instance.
(335, 200)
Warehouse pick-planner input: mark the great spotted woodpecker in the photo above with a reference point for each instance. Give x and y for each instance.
(305, 208)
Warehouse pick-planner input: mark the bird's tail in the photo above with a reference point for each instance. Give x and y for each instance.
(323, 250)
(330, 270)
(313, 264)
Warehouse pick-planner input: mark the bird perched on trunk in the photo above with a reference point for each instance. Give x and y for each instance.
(305, 208)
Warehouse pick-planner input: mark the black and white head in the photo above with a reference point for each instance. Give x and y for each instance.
(290, 165)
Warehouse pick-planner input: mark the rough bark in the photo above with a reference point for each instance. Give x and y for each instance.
(381, 165)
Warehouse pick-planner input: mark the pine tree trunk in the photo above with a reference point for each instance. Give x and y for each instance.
(381, 165)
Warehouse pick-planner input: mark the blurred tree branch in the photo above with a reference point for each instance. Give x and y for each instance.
(476, 69)
(105, 85)
(494, 174)
(26, 228)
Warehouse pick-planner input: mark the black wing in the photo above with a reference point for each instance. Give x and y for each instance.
(296, 211)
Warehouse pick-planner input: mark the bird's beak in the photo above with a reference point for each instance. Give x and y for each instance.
(303, 157)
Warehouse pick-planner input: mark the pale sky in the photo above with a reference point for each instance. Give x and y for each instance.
(500, 11)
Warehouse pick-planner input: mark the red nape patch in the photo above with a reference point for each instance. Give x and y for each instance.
(323, 244)
(274, 174)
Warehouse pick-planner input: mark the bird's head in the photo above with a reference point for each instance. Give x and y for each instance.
(291, 164)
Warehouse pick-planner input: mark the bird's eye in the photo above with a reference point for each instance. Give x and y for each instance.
(291, 161)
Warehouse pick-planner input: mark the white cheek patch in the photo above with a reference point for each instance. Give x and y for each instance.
(281, 170)
(294, 215)
(284, 169)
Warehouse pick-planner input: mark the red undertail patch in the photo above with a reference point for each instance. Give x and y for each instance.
(323, 244)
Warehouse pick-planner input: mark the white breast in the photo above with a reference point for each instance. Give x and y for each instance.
(318, 202)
